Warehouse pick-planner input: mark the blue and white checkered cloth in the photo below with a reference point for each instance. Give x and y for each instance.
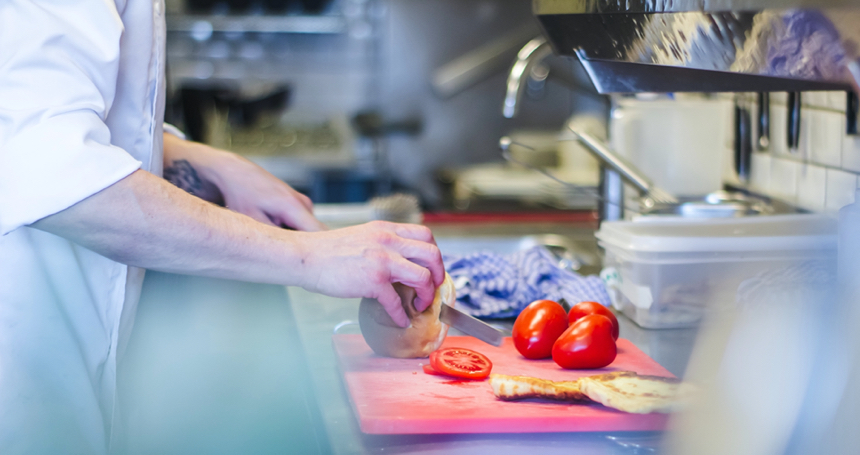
(491, 285)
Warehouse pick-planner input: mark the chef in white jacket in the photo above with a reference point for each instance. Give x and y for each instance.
(83, 210)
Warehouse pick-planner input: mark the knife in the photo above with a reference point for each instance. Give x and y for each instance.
(470, 325)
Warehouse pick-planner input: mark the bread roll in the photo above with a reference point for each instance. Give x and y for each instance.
(424, 336)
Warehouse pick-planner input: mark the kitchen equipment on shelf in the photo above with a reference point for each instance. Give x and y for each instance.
(719, 204)
(653, 201)
(669, 274)
(530, 149)
(543, 150)
(242, 109)
(713, 46)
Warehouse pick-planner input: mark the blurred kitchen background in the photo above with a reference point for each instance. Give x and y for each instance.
(348, 100)
(351, 99)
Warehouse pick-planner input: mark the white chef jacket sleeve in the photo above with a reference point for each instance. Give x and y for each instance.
(170, 129)
(58, 78)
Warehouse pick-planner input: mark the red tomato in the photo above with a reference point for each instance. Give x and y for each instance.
(585, 308)
(537, 327)
(586, 344)
(461, 363)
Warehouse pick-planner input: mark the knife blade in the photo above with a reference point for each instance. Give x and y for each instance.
(471, 326)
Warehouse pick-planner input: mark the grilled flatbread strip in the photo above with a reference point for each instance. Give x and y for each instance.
(622, 390)
(519, 387)
(630, 392)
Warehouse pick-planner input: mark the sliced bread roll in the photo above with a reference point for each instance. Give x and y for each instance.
(423, 336)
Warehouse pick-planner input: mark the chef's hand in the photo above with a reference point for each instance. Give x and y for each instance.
(364, 261)
(231, 180)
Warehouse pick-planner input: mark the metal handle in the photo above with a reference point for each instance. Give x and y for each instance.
(743, 142)
(624, 168)
(763, 120)
(793, 128)
(852, 119)
(628, 172)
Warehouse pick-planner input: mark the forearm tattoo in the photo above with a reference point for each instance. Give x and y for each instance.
(182, 174)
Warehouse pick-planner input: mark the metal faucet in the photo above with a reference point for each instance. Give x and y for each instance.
(625, 169)
(615, 171)
(527, 58)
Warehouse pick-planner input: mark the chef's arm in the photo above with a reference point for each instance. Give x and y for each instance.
(143, 220)
(230, 180)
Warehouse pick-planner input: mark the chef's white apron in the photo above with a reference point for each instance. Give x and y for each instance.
(81, 107)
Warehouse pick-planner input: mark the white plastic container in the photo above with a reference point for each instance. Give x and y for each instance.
(667, 274)
(678, 143)
(849, 244)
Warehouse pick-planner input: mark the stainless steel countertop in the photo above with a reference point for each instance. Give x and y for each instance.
(215, 367)
(316, 317)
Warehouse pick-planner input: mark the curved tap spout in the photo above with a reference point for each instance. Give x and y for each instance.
(530, 55)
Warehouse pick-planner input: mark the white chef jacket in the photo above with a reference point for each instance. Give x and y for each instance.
(81, 107)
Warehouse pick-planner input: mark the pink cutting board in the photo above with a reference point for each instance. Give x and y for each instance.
(395, 396)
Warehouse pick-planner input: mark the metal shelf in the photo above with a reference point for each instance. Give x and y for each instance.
(257, 24)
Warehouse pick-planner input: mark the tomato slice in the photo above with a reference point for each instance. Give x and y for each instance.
(428, 369)
(461, 363)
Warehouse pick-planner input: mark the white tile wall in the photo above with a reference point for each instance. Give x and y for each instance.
(729, 175)
(851, 153)
(815, 99)
(760, 167)
(783, 179)
(778, 127)
(822, 174)
(840, 189)
(805, 140)
(811, 187)
(837, 101)
(778, 98)
(824, 137)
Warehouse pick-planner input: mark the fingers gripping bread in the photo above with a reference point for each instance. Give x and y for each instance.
(423, 336)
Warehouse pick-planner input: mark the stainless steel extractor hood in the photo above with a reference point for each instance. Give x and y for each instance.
(708, 45)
